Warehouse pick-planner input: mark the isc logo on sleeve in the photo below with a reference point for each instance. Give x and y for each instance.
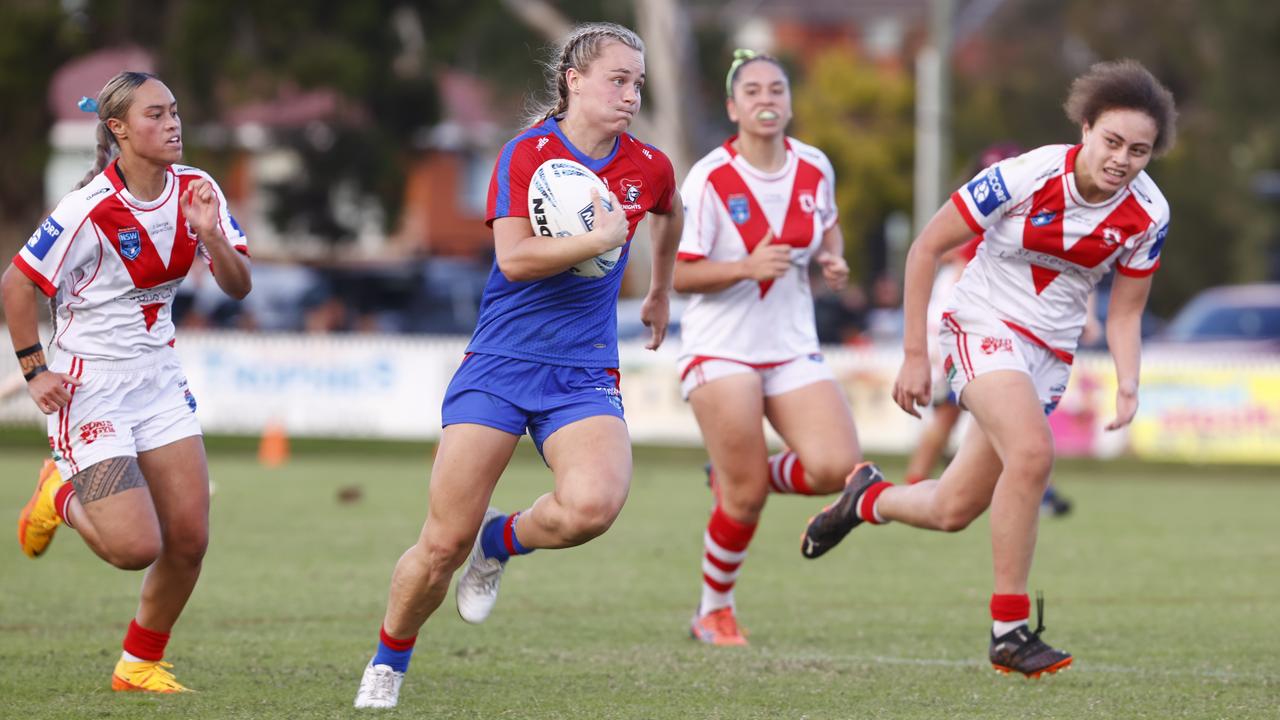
(44, 238)
(988, 191)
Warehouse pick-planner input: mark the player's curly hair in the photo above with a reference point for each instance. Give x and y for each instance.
(1123, 84)
(113, 102)
(579, 48)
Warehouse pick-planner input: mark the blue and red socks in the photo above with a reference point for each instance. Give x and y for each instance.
(395, 653)
(498, 538)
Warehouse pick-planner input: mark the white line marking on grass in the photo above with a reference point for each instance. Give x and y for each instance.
(1086, 667)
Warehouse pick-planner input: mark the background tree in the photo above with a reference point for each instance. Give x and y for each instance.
(861, 117)
(1217, 58)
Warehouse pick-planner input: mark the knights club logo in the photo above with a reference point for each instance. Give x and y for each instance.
(739, 209)
(630, 191)
(130, 243)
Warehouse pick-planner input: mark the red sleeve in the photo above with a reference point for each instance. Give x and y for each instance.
(964, 213)
(668, 174)
(41, 282)
(509, 185)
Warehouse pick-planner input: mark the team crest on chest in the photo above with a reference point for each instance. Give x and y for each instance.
(630, 191)
(130, 243)
(739, 209)
(807, 203)
(1044, 217)
(1111, 235)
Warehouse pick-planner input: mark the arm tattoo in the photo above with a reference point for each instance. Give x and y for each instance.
(106, 478)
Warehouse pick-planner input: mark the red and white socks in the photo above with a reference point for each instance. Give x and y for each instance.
(62, 498)
(725, 547)
(1008, 612)
(143, 645)
(866, 508)
(786, 474)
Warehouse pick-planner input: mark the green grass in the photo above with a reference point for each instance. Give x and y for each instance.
(1164, 584)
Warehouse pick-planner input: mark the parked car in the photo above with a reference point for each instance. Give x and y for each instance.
(1243, 317)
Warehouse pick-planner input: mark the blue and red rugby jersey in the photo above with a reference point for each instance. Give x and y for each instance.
(565, 319)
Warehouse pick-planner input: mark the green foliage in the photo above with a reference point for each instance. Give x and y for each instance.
(1217, 59)
(33, 43)
(1157, 584)
(862, 118)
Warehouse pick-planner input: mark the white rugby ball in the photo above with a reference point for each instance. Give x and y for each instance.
(560, 206)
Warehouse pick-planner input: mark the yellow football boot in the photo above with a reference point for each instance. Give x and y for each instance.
(145, 676)
(39, 518)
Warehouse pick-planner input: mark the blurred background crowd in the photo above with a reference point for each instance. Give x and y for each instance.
(355, 140)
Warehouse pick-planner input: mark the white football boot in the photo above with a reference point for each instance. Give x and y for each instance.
(478, 587)
(379, 687)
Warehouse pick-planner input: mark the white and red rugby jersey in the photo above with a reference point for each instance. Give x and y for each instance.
(1044, 247)
(113, 263)
(729, 207)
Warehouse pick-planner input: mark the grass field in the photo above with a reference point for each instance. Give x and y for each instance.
(1165, 584)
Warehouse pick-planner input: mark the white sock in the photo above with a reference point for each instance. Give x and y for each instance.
(131, 658)
(713, 600)
(1000, 627)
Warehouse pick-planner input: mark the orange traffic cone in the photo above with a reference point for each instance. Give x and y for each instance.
(273, 449)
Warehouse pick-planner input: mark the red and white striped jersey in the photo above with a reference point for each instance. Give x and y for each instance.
(113, 263)
(1045, 248)
(729, 207)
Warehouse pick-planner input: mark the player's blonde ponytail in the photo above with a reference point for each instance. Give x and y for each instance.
(579, 48)
(113, 102)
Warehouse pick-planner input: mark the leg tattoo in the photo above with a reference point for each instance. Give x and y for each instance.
(106, 478)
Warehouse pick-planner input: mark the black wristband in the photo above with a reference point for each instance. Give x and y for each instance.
(34, 372)
(29, 350)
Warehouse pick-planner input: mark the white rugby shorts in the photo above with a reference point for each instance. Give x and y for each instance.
(120, 408)
(974, 341)
(777, 378)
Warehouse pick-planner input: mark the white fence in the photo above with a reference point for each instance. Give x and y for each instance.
(1193, 408)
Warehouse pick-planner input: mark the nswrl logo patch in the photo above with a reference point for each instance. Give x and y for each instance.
(130, 243)
(739, 209)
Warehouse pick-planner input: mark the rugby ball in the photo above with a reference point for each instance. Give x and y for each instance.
(560, 206)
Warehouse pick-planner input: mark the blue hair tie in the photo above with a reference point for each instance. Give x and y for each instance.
(88, 105)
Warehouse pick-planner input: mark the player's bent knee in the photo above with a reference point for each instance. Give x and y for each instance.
(136, 555)
(445, 554)
(954, 519)
(591, 518)
(831, 472)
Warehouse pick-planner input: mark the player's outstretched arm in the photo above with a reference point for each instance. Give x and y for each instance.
(664, 236)
(524, 256)
(1124, 338)
(47, 388)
